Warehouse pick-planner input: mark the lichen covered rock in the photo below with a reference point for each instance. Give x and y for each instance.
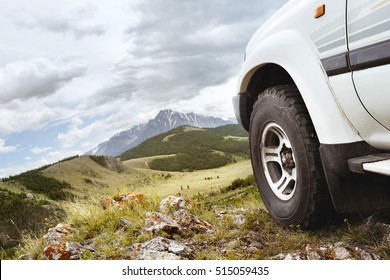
(122, 200)
(156, 222)
(57, 245)
(160, 248)
(174, 203)
(63, 251)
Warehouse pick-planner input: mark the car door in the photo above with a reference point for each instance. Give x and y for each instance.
(368, 28)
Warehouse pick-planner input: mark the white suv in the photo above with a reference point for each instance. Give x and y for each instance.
(314, 94)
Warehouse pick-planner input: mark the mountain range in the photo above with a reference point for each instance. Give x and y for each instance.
(163, 122)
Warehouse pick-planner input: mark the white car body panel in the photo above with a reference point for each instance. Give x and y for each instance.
(337, 54)
(368, 129)
(369, 25)
(299, 43)
(313, 84)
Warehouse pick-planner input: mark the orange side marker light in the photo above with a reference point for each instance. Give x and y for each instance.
(319, 11)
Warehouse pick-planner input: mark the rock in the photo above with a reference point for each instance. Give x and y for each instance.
(130, 198)
(30, 196)
(123, 224)
(57, 234)
(361, 254)
(57, 245)
(293, 257)
(252, 250)
(108, 202)
(279, 256)
(239, 219)
(254, 239)
(156, 221)
(156, 255)
(122, 200)
(311, 253)
(340, 253)
(54, 237)
(174, 203)
(160, 248)
(63, 251)
(189, 222)
(237, 216)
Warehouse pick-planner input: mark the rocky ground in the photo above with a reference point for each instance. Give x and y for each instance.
(177, 234)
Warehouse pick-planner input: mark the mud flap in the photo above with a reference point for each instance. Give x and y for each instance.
(353, 192)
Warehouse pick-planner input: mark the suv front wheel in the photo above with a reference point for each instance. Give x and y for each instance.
(285, 158)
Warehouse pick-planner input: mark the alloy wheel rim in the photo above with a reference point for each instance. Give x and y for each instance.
(278, 161)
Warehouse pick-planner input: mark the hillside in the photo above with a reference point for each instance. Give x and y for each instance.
(98, 207)
(164, 121)
(232, 222)
(228, 223)
(193, 148)
(34, 200)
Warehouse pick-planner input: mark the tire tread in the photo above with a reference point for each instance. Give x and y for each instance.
(320, 203)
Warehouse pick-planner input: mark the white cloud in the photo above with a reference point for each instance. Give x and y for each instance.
(124, 117)
(31, 114)
(38, 150)
(78, 29)
(48, 158)
(4, 149)
(79, 22)
(105, 66)
(179, 48)
(37, 77)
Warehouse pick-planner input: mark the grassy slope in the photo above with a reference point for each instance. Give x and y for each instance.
(89, 181)
(136, 176)
(194, 149)
(89, 178)
(195, 180)
(100, 227)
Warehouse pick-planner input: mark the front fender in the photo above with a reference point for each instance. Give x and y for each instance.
(294, 52)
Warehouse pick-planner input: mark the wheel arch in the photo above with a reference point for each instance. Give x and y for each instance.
(263, 77)
(294, 62)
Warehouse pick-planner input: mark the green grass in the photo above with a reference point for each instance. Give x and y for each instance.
(231, 130)
(196, 159)
(229, 188)
(20, 214)
(192, 149)
(189, 183)
(102, 229)
(89, 178)
(37, 183)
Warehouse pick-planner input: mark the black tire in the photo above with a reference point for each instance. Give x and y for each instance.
(285, 158)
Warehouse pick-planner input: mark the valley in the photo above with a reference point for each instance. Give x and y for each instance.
(190, 183)
(78, 199)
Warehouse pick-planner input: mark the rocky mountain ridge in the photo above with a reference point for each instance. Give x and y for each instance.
(164, 121)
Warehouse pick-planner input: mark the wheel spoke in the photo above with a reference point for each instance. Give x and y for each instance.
(271, 154)
(278, 161)
(285, 181)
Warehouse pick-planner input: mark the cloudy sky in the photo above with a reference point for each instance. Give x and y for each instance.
(73, 72)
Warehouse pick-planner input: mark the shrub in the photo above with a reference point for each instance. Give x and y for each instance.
(101, 160)
(19, 214)
(239, 183)
(197, 159)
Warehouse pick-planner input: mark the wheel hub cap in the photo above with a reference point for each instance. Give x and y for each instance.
(278, 161)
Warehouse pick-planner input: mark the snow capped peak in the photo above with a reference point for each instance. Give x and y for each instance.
(164, 121)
